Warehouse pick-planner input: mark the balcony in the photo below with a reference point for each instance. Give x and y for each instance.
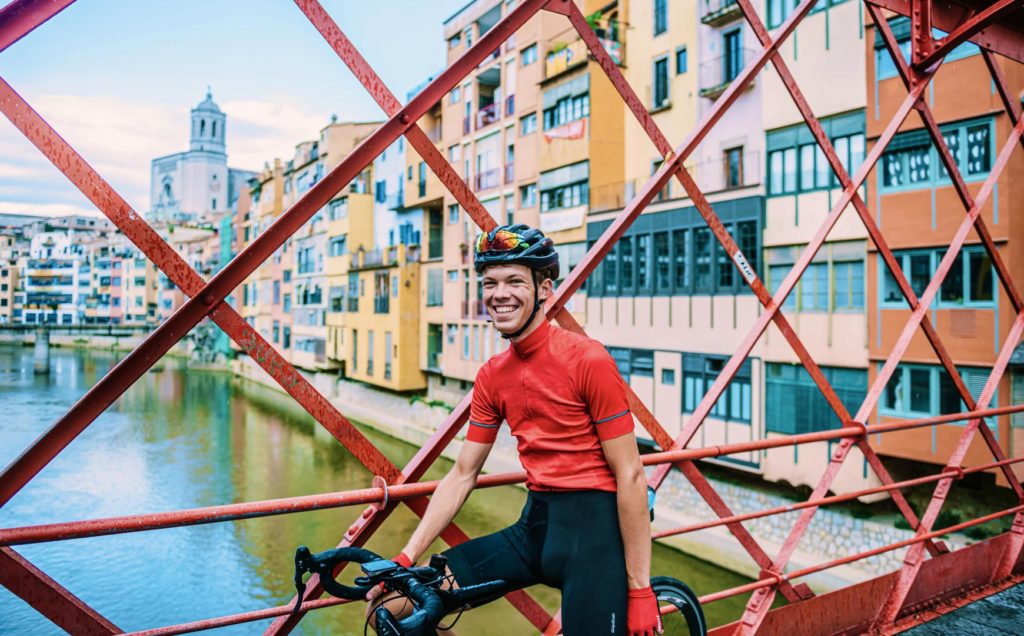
(510, 172)
(487, 115)
(717, 74)
(577, 53)
(487, 179)
(718, 12)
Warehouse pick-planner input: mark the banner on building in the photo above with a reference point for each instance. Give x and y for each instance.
(573, 130)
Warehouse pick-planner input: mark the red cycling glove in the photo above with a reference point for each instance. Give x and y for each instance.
(403, 560)
(642, 615)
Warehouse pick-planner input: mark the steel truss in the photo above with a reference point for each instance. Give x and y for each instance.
(893, 598)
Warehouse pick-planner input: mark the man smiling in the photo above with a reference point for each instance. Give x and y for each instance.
(585, 527)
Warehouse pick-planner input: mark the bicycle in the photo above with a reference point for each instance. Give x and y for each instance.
(423, 586)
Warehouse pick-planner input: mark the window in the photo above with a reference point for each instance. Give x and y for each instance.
(435, 288)
(277, 292)
(528, 195)
(968, 283)
(919, 390)
(528, 124)
(454, 153)
(455, 96)
(660, 16)
(732, 60)
(455, 40)
(734, 167)
(795, 405)
(668, 376)
(528, 55)
(468, 33)
(700, 372)
(453, 214)
(834, 281)
(338, 246)
(911, 160)
(681, 62)
(338, 210)
(565, 110)
(659, 94)
(884, 65)
(671, 260)
(797, 164)
(567, 196)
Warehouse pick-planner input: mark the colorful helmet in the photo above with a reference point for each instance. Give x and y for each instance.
(516, 245)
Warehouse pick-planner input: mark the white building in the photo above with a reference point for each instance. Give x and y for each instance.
(197, 184)
(57, 279)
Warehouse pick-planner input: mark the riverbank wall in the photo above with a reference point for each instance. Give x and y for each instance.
(103, 342)
(832, 533)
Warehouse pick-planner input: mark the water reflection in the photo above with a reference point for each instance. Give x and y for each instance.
(181, 438)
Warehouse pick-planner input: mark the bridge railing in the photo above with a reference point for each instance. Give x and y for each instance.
(882, 603)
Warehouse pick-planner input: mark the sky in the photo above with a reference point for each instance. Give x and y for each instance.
(117, 80)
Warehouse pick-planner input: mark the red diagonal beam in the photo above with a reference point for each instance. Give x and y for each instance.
(814, 125)
(906, 73)
(132, 225)
(124, 374)
(418, 139)
(21, 17)
(913, 559)
(50, 598)
(968, 29)
(920, 29)
(761, 600)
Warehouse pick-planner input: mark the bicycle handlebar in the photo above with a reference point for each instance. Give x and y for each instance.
(419, 584)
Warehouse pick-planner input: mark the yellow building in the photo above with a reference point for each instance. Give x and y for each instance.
(8, 276)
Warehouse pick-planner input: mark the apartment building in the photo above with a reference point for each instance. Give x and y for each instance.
(668, 275)
(9, 257)
(826, 309)
(57, 279)
(919, 211)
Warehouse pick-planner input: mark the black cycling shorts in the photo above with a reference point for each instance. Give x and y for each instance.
(567, 540)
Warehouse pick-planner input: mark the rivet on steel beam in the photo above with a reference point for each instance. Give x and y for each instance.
(404, 118)
(862, 428)
(956, 472)
(207, 298)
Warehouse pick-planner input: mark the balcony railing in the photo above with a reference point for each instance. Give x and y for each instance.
(510, 105)
(719, 12)
(480, 310)
(716, 74)
(487, 115)
(510, 172)
(487, 179)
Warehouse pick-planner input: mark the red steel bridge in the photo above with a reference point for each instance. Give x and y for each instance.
(931, 579)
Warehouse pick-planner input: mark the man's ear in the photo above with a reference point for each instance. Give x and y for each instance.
(547, 287)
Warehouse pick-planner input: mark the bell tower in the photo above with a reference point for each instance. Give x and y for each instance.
(208, 123)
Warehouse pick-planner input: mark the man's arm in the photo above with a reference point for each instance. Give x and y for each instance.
(634, 519)
(451, 493)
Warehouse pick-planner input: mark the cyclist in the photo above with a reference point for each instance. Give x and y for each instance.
(585, 527)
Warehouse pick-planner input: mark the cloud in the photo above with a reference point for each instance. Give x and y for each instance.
(46, 209)
(119, 136)
(260, 130)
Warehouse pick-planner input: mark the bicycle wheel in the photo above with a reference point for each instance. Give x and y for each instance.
(688, 617)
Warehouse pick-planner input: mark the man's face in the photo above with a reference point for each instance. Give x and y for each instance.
(508, 295)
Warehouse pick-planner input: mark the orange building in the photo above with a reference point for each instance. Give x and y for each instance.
(918, 210)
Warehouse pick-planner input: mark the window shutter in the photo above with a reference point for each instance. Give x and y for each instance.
(1017, 397)
(975, 380)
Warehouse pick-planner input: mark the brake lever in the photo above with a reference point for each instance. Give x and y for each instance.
(303, 557)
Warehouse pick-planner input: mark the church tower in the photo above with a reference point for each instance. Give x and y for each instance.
(208, 126)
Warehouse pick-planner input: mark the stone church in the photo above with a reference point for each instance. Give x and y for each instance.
(197, 185)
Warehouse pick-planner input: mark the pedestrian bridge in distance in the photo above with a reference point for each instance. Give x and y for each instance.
(932, 579)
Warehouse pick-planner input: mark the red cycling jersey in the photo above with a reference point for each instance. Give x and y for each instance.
(561, 395)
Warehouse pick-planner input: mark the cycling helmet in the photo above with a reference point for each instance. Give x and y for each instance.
(518, 244)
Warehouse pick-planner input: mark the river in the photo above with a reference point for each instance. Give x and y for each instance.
(182, 438)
